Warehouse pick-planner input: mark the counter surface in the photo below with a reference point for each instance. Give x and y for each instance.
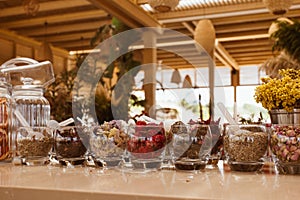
(84, 183)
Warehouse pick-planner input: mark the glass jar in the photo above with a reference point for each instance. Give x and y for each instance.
(245, 147)
(71, 144)
(191, 145)
(108, 144)
(34, 145)
(29, 101)
(5, 123)
(285, 147)
(146, 146)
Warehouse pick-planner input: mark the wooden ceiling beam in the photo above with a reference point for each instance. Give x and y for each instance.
(45, 6)
(224, 53)
(223, 11)
(70, 44)
(242, 27)
(253, 54)
(128, 12)
(68, 36)
(59, 18)
(238, 35)
(59, 29)
(250, 18)
(180, 16)
(246, 43)
(250, 49)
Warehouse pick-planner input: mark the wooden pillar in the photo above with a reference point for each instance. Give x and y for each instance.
(235, 81)
(149, 61)
(211, 80)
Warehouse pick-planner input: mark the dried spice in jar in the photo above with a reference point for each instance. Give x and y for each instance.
(188, 139)
(285, 143)
(245, 145)
(108, 142)
(33, 144)
(5, 140)
(69, 142)
(191, 145)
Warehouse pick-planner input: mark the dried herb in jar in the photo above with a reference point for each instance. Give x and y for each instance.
(35, 145)
(69, 144)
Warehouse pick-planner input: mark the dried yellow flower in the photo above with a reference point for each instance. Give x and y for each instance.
(282, 93)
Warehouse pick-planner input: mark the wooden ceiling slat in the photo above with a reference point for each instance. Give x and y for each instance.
(59, 29)
(241, 27)
(92, 14)
(44, 6)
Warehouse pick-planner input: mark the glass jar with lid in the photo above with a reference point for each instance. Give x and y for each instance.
(29, 101)
(29, 78)
(30, 109)
(5, 122)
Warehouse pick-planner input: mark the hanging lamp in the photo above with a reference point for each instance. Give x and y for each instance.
(278, 7)
(205, 35)
(163, 5)
(187, 82)
(176, 78)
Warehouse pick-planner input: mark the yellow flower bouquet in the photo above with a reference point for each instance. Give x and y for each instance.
(280, 93)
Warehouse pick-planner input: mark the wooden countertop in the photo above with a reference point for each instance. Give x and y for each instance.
(84, 183)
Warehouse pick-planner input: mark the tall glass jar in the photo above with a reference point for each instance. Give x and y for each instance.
(29, 101)
(5, 122)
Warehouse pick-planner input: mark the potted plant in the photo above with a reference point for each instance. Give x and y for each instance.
(285, 34)
(281, 96)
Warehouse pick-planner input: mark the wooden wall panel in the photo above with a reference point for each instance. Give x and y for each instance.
(24, 51)
(6, 50)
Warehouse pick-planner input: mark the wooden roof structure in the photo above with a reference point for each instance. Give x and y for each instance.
(241, 25)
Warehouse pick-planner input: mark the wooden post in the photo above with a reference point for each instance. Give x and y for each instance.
(149, 61)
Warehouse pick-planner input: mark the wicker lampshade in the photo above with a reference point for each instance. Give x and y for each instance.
(187, 82)
(176, 78)
(163, 5)
(205, 35)
(278, 7)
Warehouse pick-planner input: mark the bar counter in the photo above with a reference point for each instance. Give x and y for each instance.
(87, 183)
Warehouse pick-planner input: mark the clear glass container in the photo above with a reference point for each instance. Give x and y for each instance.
(5, 123)
(146, 146)
(34, 145)
(71, 144)
(245, 147)
(285, 147)
(217, 145)
(29, 101)
(108, 144)
(191, 145)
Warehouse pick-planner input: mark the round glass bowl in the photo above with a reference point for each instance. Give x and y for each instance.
(245, 147)
(285, 147)
(191, 145)
(34, 145)
(71, 144)
(146, 146)
(108, 145)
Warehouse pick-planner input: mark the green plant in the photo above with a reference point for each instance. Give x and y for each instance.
(287, 38)
(60, 93)
(280, 93)
(287, 42)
